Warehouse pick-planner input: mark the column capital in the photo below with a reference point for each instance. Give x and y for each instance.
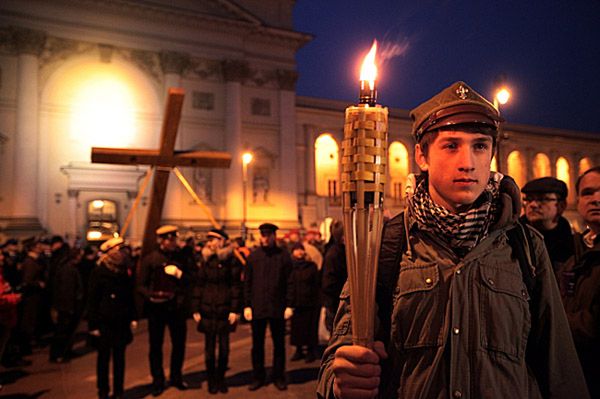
(235, 70)
(29, 41)
(286, 79)
(174, 62)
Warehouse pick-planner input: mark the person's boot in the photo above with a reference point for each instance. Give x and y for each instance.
(213, 387)
(221, 383)
(298, 354)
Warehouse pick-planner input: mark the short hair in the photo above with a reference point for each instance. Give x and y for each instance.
(595, 169)
(429, 137)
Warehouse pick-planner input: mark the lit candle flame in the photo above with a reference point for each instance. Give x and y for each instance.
(368, 71)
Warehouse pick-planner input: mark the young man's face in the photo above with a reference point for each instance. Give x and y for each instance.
(267, 239)
(588, 203)
(542, 209)
(169, 242)
(458, 165)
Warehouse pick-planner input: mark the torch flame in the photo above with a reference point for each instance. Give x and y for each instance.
(368, 71)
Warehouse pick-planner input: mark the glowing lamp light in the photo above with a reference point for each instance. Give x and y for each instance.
(94, 235)
(503, 95)
(247, 158)
(368, 76)
(97, 204)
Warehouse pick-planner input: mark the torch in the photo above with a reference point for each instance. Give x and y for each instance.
(364, 157)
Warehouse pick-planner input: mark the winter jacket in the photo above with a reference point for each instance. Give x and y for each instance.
(303, 285)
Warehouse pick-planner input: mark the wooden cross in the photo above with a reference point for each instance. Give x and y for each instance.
(163, 159)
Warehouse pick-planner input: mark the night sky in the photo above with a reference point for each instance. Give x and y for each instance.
(547, 52)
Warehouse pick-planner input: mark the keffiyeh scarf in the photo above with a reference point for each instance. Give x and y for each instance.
(461, 230)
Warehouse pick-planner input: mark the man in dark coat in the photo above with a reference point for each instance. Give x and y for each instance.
(267, 272)
(335, 273)
(219, 282)
(545, 200)
(580, 281)
(165, 281)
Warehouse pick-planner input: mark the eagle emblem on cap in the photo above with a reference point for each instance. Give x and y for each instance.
(462, 92)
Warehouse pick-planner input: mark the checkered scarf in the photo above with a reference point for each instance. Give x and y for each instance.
(461, 230)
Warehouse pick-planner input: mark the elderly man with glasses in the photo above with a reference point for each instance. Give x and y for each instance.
(544, 201)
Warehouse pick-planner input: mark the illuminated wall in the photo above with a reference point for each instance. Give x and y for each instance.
(584, 164)
(326, 163)
(563, 171)
(541, 166)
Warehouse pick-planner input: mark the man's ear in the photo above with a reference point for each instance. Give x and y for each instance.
(421, 158)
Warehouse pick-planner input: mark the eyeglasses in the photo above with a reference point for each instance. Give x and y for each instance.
(541, 200)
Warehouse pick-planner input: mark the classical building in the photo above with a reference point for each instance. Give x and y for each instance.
(94, 73)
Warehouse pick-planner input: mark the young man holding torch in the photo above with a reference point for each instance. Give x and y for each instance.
(458, 316)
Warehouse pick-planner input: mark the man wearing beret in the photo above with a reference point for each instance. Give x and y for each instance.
(455, 316)
(165, 281)
(579, 279)
(545, 200)
(265, 296)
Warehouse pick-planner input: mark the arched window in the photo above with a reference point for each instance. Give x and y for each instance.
(327, 166)
(584, 164)
(494, 165)
(541, 166)
(515, 168)
(398, 161)
(563, 171)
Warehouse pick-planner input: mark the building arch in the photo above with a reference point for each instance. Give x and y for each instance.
(398, 169)
(585, 163)
(563, 171)
(327, 166)
(541, 166)
(516, 167)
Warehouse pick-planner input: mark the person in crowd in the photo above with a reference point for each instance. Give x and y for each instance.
(165, 282)
(303, 296)
(545, 200)
(67, 305)
(458, 315)
(8, 309)
(334, 274)
(111, 316)
(85, 266)
(32, 286)
(312, 247)
(266, 276)
(579, 279)
(219, 304)
(12, 259)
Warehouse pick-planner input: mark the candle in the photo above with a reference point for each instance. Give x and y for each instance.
(364, 155)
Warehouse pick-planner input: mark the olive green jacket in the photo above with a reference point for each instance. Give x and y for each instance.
(468, 327)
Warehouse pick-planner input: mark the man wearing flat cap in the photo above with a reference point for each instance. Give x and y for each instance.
(220, 286)
(459, 313)
(165, 281)
(265, 295)
(545, 200)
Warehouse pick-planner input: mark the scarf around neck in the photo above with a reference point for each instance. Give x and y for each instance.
(461, 230)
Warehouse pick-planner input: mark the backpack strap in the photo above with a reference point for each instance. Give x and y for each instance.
(521, 242)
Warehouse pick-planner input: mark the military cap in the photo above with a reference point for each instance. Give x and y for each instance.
(56, 239)
(166, 230)
(268, 228)
(217, 233)
(455, 105)
(298, 245)
(111, 243)
(546, 185)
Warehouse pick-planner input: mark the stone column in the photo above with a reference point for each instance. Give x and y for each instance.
(310, 134)
(234, 73)
(287, 144)
(173, 65)
(29, 44)
(73, 197)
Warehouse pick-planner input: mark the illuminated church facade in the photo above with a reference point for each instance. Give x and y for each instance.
(94, 73)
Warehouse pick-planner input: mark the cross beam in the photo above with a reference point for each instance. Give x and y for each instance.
(165, 157)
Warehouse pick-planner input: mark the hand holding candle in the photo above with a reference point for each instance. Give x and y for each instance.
(364, 150)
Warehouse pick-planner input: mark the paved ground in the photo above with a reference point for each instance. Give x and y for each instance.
(77, 379)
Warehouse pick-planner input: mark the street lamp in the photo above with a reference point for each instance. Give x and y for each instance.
(246, 159)
(500, 98)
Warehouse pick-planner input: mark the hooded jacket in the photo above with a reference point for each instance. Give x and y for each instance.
(467, 327)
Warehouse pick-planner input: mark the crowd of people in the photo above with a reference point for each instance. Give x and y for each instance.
(49, 288)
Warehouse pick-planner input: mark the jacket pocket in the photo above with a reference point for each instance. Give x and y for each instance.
(418, 315)
(506, 319)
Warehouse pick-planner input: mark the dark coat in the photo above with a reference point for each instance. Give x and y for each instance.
(303, 285)
(265, 286)
(67, 289)
(220, 287)
(579, 281)
(153, 282)
(559, 241)
(335, 275)
(111, 306)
